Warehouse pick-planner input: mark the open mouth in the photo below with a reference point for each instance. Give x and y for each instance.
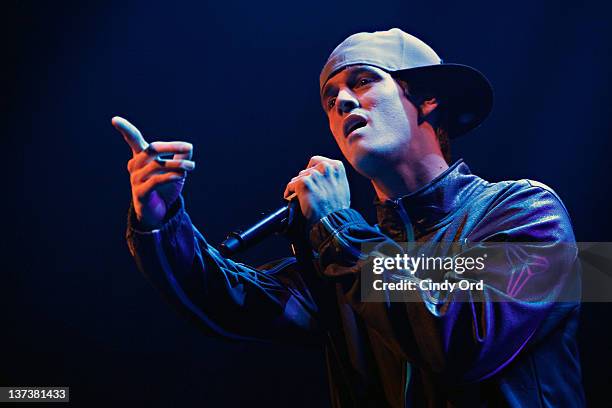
(353, 123)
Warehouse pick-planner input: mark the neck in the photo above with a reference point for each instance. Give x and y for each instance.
(407, 176)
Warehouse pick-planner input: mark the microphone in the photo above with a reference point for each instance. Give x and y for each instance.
(276, 222)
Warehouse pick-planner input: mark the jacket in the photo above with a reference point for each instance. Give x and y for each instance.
(466, 352)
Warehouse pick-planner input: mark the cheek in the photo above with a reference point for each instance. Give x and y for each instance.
(335, 128)
(394, 113)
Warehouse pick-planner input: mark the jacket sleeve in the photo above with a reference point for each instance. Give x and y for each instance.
(224, 297)
(466, 336)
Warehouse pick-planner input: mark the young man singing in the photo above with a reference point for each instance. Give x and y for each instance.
(392, 107)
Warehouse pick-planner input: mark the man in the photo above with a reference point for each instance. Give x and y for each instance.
(392, 105)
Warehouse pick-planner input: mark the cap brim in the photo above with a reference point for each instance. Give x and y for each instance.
(465, 91)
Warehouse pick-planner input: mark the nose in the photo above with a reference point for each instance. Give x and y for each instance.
(346, 101)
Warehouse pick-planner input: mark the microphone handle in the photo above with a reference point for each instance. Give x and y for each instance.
(276, 222)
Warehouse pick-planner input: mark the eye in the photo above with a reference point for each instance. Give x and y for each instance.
(363, 81)
(331, 102)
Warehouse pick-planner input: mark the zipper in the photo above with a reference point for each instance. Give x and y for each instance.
(405, 218)
(430, 300)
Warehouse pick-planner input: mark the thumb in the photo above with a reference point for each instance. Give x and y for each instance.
(130, 133)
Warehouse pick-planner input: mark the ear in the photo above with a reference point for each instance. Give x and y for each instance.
(428, 106)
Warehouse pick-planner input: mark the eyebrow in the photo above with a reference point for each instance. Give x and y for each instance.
(355, 72)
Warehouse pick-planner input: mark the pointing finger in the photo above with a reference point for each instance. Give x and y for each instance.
(130, 133)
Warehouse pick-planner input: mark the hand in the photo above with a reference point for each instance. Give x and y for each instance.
(322, 188)
(156, 182)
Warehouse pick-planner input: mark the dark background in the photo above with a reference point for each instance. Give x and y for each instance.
(240, 81)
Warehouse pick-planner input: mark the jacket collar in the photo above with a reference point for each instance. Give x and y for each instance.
(430, 204)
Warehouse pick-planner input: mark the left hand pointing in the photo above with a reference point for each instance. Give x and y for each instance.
(322, 188)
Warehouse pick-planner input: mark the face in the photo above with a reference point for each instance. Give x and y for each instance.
(370, 117)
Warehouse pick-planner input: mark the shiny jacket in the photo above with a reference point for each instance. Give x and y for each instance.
(471, 353)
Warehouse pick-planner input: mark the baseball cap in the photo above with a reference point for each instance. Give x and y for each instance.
(465, 92)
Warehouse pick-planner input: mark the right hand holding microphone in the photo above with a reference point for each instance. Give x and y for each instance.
(156, 182)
